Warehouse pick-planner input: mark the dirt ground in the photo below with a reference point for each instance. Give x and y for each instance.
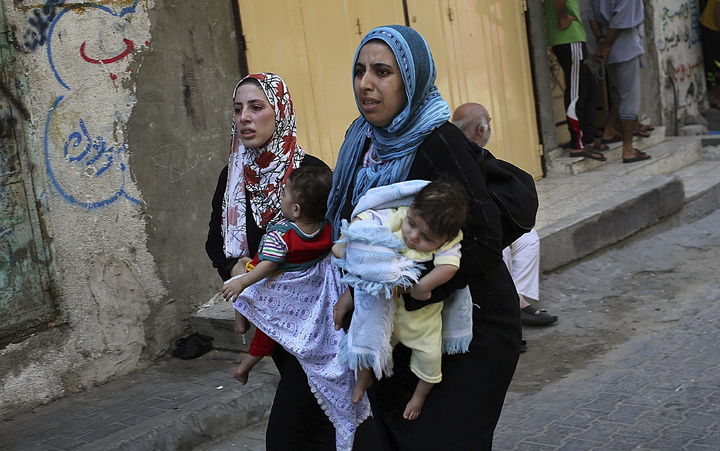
(630, 289)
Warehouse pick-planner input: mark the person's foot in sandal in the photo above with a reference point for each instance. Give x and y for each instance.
(635, 156)
(598, 145)
(531, 316)
(588, 152)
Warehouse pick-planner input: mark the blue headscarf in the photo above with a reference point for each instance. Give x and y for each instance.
(397, 143)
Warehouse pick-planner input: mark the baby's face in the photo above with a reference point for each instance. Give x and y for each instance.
(417, 235)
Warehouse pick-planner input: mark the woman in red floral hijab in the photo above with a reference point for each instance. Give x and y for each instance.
(263, 153)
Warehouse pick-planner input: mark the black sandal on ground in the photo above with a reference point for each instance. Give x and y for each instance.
(531, 316)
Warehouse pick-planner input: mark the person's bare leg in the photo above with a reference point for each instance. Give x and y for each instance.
(610, 130)
(243, 370)
(628, 129)
(241, 323)
(416, 403)
(523, 302)
(364, 381)
(342, 306)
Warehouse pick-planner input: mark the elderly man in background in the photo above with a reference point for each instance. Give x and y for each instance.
(522, 257)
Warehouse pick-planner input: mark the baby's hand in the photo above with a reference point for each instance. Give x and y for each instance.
(419, 293)
(231, 289)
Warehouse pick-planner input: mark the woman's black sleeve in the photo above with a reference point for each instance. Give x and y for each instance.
(446, 152)
(214, 245)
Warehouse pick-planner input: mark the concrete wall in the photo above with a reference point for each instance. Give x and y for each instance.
(127, 129)
(678, 49)
(651, 100)
(179, 134)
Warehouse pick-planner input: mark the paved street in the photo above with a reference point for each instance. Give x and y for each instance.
(656, 382)
(657, 389)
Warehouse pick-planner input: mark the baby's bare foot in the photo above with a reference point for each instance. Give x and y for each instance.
(414, 407)
(363, 382)
(241, 374)
(342, 306)
(241, 323)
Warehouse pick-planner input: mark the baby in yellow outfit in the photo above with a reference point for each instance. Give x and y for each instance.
(430, 230)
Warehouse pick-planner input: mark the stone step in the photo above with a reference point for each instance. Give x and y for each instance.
(217, 319)
(560, 163)
(645, 193)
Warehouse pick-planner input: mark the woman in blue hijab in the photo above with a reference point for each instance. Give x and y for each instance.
(403, 133)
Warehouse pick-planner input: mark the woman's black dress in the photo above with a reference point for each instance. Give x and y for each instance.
(296, 420)
(461, 412)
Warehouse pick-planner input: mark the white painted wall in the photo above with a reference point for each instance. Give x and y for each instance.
(679, 55)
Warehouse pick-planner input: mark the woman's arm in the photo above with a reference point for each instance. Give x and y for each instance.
(234, 287)
(214, 245)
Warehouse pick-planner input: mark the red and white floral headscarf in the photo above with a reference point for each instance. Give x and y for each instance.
(259, 173)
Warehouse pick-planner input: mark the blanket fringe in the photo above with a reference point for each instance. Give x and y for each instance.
(359, 361)
(456, 345)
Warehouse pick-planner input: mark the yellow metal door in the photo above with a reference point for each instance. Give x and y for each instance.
(311, 44)
(481, 49)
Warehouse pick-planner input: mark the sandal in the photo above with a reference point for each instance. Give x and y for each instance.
(598, 145)
(639, 157)
(588, 153)
(642, 133)
(531, 316)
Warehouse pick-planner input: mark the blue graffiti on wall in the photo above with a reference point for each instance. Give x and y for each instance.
(695, 22)
(83, 153)
(94, 151)
(36, 35)
(684, 14)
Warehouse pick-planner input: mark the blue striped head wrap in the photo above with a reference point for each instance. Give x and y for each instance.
(395, 144)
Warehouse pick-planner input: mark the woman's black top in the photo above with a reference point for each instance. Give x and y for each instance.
(461, 411)
(296, 420)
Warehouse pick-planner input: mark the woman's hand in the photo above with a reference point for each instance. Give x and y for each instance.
(232, 288)
(239, 267)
